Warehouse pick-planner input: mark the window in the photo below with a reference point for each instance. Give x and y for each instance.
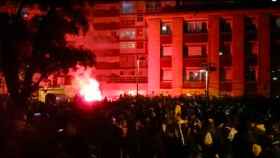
(152, 6)
(166, 75)
(194, 51)
(140, 45)
(225, 25)
(125, 45)
(127, 34)
(251, 74)
(196, 26)
(226, 74)
(127, 7)
(166, 51)
(140, 18)
(194, 74)
(165, 29)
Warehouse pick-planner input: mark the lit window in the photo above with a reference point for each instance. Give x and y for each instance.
(277, 22)
(127, 34)
(195, 26)
(166, 75)
(127, 7)
(194, 51)
(165, 29)
(124, 45)
(167, 51)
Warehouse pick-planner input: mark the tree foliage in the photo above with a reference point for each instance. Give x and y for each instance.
(30, 45)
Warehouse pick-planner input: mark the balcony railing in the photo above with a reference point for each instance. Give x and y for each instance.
(194, 61)
(196, 37)
(251, 88)
(166, 61)
(194, 84)
(130, 79)
(107, 65)
(166, 39)
(106, 13)
(106, 26)
(165, 85)
(226, 60)
(226, 36)
(226, 86)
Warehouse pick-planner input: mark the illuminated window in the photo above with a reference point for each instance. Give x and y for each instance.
(165, 29)
(125, 45)
(195, 26)
(152, 6)
(194, 74)
(166, 75)
(127, 34)
(166, 50)
(127, 7)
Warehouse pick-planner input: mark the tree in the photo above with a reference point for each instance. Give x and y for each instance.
(31, 44)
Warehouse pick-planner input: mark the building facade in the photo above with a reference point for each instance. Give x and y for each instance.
(172, 47)
(165, 50)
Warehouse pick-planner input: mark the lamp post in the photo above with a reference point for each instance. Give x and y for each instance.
(137, 73)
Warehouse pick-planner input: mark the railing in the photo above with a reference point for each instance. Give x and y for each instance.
(166, 61)
(107, 65)
(166, 39)
(194, 84)
(226, 60)
(226, 86)
(195, 61)
(195, 37)
(165, 85)
(106, 13)
(106, 26)
(226, 36)
(132, 79)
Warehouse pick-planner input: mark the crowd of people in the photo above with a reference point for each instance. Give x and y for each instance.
(158, 127)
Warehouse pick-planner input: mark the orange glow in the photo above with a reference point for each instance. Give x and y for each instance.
(86, 86)
(89, 89)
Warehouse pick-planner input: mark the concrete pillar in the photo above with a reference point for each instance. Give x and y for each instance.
(238, 55)
(213, 55)
(263, 80)
(153, 35)
(177, 55)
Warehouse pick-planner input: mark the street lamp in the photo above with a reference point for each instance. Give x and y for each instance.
(137, 73)
(206, 81)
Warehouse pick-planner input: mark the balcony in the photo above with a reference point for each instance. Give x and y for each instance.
(196, 37)
(165, 61)
(129, 79)
(194, 61)
(226, 36)
(107, 65)
(251, 88)
(194, 84)
(226, 60)
(106, 26)
(252, 59)
(165, 85)
(226, 86)
(251, 35)
(106, 13)
(166, 39)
